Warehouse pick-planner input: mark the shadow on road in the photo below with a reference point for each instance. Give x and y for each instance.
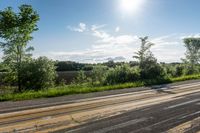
(163, 89)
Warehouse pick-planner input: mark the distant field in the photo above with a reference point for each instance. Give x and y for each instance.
(69, 76)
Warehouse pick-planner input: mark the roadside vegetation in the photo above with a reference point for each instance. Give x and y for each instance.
(24, 77)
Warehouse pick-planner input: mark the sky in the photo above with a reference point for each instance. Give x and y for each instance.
(92, 31)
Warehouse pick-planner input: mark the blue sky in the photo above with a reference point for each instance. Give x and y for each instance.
(100, 30)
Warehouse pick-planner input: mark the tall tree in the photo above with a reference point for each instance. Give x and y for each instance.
(144, 53)
(16, 31)
(192, 52)
(148, 65)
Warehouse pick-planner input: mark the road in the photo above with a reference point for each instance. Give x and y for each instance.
(170, 109)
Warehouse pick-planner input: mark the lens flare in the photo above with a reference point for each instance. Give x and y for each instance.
(131, 6)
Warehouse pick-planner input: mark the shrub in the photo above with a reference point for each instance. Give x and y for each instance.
(169, 70)
(98, 74)
(190, 70)
(81, 78)
(38, 74)
(179, 70)
(122, 74)
(150, 69)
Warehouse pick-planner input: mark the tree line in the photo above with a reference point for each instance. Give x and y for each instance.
(146, 68)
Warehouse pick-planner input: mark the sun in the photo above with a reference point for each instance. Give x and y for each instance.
(131, 6)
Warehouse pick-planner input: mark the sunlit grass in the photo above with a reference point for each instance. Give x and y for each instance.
(184, 78)
(81, 89)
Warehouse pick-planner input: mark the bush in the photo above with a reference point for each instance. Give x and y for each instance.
(122, 74)
(98, 74)
(150, 69)
(179, 70)
(38, 74)
(81, 78)
(189, 70)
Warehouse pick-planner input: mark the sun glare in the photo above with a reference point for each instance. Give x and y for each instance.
(131, 6)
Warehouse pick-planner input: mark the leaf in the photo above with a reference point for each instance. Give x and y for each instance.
(29, 49)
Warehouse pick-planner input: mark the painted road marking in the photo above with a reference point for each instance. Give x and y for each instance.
(182, 104)
(198, 112)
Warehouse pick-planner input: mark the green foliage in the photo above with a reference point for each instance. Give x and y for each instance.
(110, 64)
(187, 77)
(144, 51)
(2, 68)
(72, 66)
(122, 74)
(192, 54)
(65, 90)
(37, 74)
(81, 78)
(98, 74)
(191, 69)
(70, 89)
(174, 70)
(16, 30)
(179, 70)
(149, 68)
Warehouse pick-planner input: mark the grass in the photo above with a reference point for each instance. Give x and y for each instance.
(74, 89)
(184, 78)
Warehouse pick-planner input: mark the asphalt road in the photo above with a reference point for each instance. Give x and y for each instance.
(154, 119)
(171, 108)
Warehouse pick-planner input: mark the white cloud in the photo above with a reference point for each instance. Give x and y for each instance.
(125, 39)
(96, 27)
(197, 35)
(164, 42)
(110, 45)
(106, 38)
(85, 56)
(81, 28)
(168, 48)
(106, 47)
(101, 34)
(117, 29)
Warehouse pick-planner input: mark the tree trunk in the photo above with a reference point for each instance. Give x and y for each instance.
(19, 82)
(19, 60)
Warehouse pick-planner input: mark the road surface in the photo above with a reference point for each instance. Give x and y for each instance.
(170, 109)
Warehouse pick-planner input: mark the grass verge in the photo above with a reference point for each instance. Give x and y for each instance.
(70, 89)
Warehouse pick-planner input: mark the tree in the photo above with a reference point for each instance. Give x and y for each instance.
(144, 53)
(192, 53)
(148, 65)
(110, 63)
(38, 74)
(2, 67)
(16, 30)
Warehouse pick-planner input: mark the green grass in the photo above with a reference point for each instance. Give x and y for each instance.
(184, 78)
(72, 89)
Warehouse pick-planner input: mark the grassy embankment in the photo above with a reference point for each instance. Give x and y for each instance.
(70, 89)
